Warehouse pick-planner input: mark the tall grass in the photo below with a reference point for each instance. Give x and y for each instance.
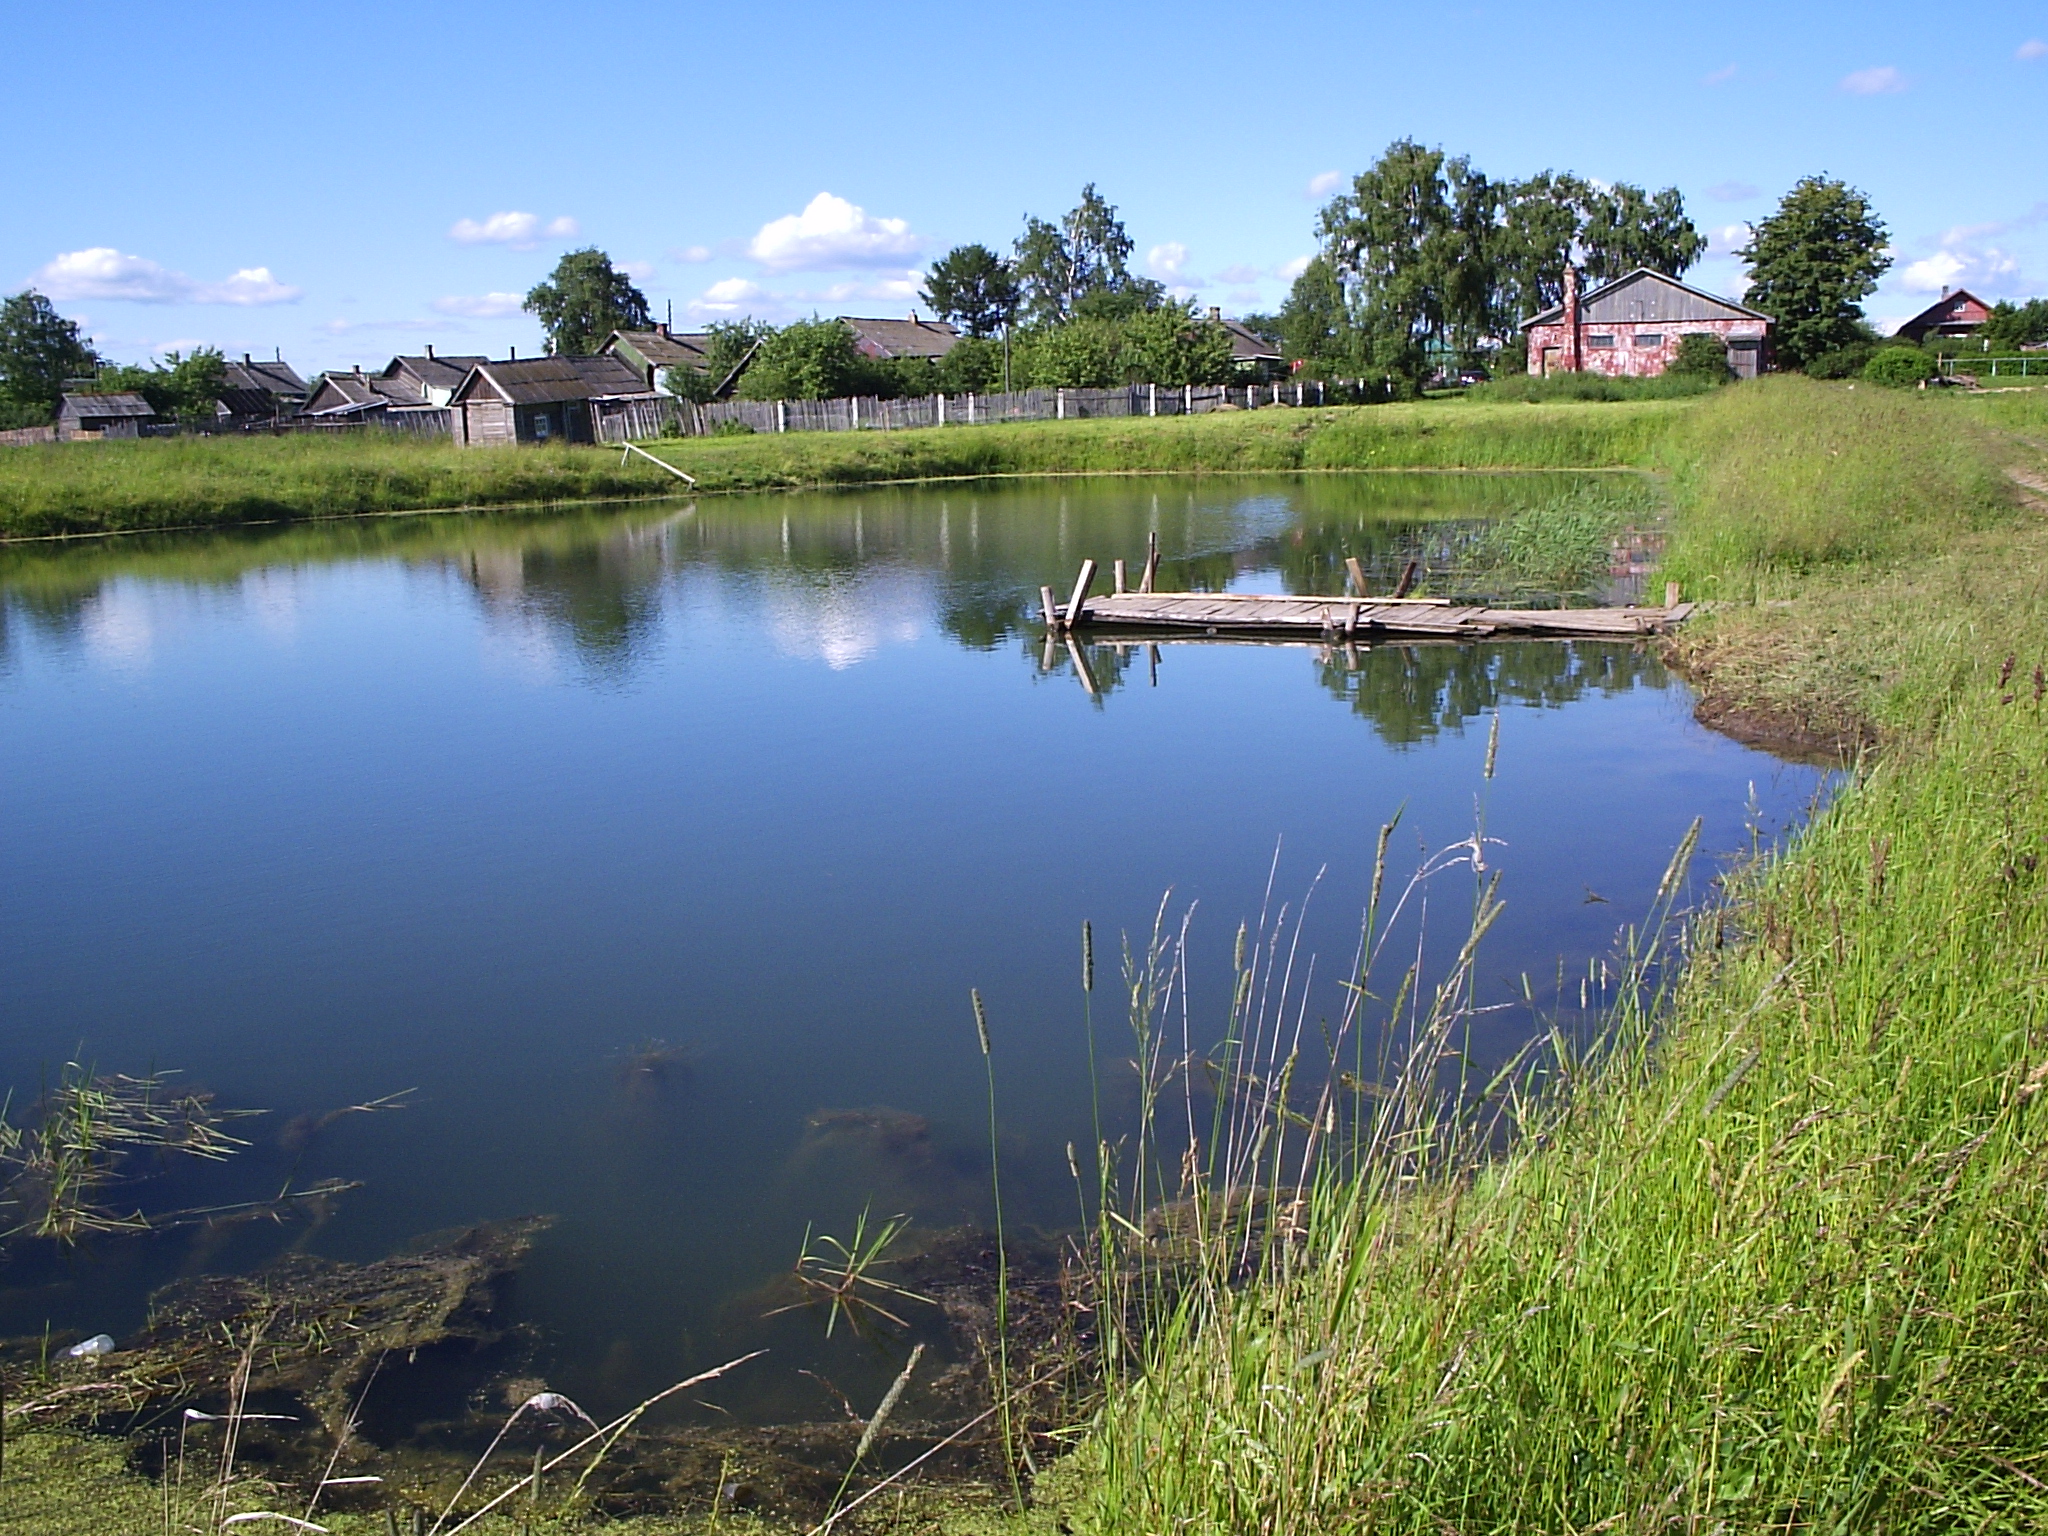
(1769, 1256)
(110, 487)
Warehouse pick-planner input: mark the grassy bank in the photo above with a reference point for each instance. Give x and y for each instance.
(1775, 1261)
(116, 487)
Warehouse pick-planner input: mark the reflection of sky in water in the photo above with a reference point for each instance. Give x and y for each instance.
(478, 807)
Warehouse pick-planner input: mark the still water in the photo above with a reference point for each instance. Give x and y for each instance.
(478, 807)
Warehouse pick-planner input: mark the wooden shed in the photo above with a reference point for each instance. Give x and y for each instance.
(539, 400)
(1632, 326)
(89, 418)
(257, 390)
(429, 379)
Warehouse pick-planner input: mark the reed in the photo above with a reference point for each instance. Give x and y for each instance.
(1764, 1253)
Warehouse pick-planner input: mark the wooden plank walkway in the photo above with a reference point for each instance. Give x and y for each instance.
(1345, 618)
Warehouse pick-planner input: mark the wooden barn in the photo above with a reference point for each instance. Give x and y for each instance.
(88, 418)
(431, 380)
(1253, 356)
(539, 400)
(1632, 326)
(652, 353)
(356, 396)
(1957, 313)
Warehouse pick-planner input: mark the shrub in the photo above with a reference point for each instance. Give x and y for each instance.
(1899, 367)
(1701, 355)
(731, 428)
(1842, 363)
(1589, 386)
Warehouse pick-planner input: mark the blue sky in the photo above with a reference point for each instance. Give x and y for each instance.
(344, 183)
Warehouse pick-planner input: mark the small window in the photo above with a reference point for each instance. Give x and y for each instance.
(1649, 339)
(540, 427)
(1599, 341)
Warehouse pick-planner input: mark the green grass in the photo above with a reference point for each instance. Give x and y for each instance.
(1774, 1258)
(167, 483)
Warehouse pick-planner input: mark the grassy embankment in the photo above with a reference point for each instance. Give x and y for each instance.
(69, 488)
(1776, 1261)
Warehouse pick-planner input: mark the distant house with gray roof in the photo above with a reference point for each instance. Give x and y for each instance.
(358, 396)
(541, 399)
(92, 417)
(259, 390)
(912, 337)
(433, 379)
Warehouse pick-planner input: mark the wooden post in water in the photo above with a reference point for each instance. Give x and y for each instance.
(1117, 577)
(1151, 575)
(1670, 594)
(1407, 580)
(1082, 669)
(1357, 572)
(1052, 618)
(1082, 583)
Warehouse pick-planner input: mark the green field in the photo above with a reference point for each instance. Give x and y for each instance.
(74, 488)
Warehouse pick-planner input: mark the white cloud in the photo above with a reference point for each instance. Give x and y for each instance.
(479, 306)
(102, 272)
(1239, 274)
(1169, 262)
(2033, 48)
(1323, 184)
(1293, 269)
(639, 271)
(521, 231)
(339, 327)
(1729, 237)
(1960, 267)
(1720, 76)
(1881, 80)
(692, 253)
(831, 234)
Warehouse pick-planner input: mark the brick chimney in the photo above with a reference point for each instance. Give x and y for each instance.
(430, 351)
(1215, 314)
(1572, 359)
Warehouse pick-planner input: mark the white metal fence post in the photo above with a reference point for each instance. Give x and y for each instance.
(1187, 402)
(782, 416)
(1152, 404)
(1059, 405)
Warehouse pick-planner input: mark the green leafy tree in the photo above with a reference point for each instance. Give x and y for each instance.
(1087, 252)
(39, 350)
(1411, 238)
(1081, 354)
(583, 301)
(2013, 326)
(183, 387)
(810, 360)
(971, 365)
(1626, 227)
(1811, 262)
(1900, 367)
(1174, 345)
(1315, 322)
(974, 288)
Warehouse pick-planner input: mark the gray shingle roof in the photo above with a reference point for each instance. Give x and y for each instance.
(439, 372)
(902, 338)
(340, 393)
(1248, 346)
(675, 350)
(544, 380)
(88, 406)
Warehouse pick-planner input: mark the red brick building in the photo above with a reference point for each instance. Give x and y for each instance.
(1954, 314)
(1631, 328)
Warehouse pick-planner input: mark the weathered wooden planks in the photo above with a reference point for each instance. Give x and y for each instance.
(1352, 617)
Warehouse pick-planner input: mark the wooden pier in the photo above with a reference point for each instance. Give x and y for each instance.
(1342, 620)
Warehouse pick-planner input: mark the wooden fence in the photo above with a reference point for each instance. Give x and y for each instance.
(21, 437)
(619, 421)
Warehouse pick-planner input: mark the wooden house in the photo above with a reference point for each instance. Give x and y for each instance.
(1632, 326)
(1253, 357)
(1956, 313)
(652, 353)
(540, 400)
(432, 380)
(887, 339)
(359, 396)
(89, 418)
(257, 390)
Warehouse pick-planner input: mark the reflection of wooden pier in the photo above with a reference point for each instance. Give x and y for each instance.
(1346, 620)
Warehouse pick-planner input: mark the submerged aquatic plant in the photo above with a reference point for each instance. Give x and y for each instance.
(55, 1171)
(841, 1275)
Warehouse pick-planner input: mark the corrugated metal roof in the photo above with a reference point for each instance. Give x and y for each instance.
(1617, 303)
(544, 380)
(81, 406)
(902, 338)
(339, 393)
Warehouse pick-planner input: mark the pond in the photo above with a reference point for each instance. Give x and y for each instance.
(656, 849)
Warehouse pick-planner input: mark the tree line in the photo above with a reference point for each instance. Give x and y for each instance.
(42, 354)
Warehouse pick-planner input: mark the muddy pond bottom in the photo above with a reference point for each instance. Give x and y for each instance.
(650, 854)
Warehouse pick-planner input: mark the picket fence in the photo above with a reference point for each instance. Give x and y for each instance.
(619, 421)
